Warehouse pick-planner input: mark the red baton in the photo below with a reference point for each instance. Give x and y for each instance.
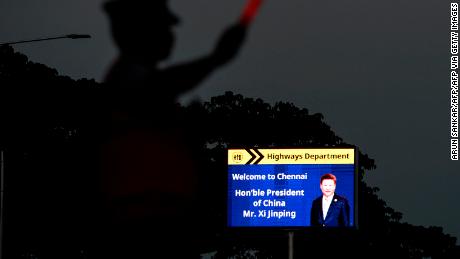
(250, 11)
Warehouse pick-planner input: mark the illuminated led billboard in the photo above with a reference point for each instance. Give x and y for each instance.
(291, 187)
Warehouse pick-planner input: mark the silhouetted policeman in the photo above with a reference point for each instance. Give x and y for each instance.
(148, 173)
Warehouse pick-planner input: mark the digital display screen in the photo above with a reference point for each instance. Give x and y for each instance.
(291, 187)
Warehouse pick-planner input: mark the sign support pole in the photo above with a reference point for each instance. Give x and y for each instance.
(2, 181)
(291, 245)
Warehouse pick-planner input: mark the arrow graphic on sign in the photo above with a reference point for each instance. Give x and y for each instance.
(252, 156)
(260, 156)
(255, 155)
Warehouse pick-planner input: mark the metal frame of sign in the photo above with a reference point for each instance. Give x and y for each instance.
(293, 228)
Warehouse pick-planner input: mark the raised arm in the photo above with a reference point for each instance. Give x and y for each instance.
(186, 76)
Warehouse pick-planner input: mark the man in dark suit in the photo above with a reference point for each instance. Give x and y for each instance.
(330, 209)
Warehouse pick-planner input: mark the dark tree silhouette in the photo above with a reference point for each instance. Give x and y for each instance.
(231, 120)
(48, 190)
(48, 123)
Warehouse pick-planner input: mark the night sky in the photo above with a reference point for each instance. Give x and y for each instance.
(377, 70)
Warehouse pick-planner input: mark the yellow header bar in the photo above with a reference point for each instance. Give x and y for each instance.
(291, 156)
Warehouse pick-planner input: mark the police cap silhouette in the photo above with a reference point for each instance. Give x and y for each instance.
(142, 28)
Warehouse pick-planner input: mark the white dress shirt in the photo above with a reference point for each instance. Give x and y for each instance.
(326, 204)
